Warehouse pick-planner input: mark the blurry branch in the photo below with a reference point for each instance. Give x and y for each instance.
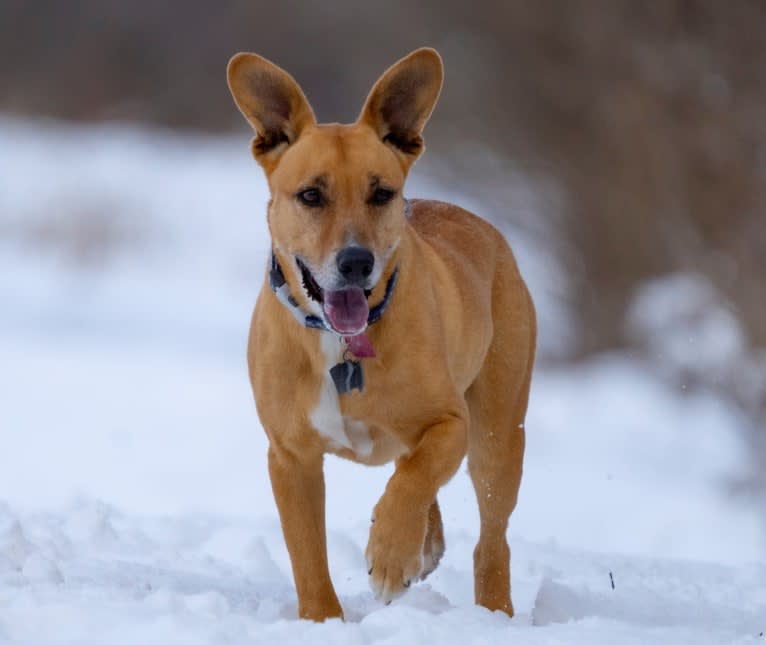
(647, 117)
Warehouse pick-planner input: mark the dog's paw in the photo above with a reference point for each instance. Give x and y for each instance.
(391, 573)
(321, 611)
(395, 555)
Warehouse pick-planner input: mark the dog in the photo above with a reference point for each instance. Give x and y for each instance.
(386, 330)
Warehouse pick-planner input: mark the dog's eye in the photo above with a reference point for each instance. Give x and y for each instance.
(381, 196)
(311, 197)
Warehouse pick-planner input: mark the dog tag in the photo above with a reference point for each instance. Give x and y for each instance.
(348, 376)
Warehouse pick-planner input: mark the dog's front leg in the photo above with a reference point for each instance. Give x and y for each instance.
(400, 519)
(298, 485)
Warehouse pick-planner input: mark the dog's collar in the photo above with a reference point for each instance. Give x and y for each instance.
(280, 287)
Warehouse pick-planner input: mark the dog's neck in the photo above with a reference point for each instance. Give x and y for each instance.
(348, 374)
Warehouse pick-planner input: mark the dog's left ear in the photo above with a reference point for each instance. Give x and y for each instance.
(402, 100)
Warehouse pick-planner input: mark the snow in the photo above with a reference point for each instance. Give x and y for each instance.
(685, 321)
(134, 497)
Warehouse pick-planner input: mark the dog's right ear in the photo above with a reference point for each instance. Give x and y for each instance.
(272, 102)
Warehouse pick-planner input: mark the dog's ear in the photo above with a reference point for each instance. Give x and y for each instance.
(272, 102)
(402, 100)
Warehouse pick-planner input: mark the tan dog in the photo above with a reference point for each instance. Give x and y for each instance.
(422, 301)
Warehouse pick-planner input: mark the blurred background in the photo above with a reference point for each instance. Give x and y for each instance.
(621, 145)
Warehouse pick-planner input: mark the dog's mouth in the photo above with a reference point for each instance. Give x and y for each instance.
(310, 285)
(346, 310)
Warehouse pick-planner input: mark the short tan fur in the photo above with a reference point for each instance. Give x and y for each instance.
(454, 348)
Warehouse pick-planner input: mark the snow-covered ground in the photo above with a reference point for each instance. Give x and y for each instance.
(134, 499)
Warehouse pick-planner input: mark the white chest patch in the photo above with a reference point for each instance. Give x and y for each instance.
(326, 417)
(359, 436)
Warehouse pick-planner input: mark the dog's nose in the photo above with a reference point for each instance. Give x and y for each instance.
(355, 264)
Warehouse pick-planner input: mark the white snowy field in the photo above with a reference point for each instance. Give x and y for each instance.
(134, 498)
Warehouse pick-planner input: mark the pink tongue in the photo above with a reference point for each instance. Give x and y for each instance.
(347, 310)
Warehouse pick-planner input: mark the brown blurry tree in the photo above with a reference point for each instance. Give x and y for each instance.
(648, 116)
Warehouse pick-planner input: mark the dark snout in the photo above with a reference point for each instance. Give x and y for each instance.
(355, 264)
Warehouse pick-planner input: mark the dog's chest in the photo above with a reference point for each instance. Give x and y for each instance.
(346, 436)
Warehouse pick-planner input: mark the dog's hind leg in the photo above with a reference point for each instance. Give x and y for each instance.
(433, 547)
(497, 402)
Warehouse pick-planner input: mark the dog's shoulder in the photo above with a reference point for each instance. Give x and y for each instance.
(431, 216)
(454, 231)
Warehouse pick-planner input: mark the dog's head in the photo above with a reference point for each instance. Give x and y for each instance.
(337, 211)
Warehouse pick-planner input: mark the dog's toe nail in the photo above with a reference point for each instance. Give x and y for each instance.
(407, 583)
(388, 602)
(369, 571)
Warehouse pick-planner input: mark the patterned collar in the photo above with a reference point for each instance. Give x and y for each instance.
(280, 287)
